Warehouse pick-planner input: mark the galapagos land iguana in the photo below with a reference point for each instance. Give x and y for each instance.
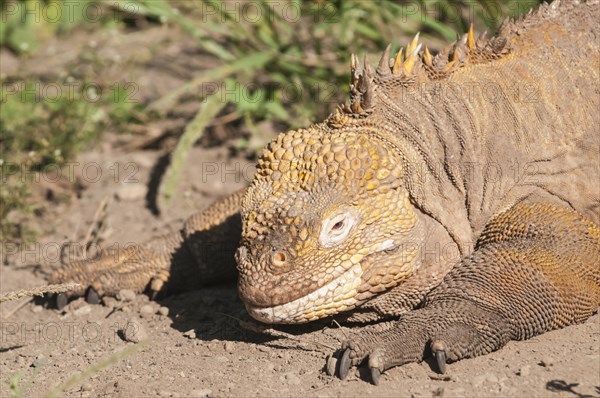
(455, 195)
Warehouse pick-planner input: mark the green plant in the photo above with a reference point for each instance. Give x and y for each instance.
(27, 23)
(270, 54)
(39, 132)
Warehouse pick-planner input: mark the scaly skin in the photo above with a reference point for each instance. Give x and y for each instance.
(463, 184)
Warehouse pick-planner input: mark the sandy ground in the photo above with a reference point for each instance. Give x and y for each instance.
(196, 345)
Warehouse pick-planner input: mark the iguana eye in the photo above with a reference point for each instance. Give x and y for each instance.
(336, 228)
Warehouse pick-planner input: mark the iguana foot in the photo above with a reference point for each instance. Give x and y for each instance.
(465, 331)
(135, 267)
(177, 262)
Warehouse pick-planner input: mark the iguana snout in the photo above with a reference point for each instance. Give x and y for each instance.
(323, 224)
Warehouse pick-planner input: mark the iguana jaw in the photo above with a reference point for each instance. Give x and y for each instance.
(336, 296)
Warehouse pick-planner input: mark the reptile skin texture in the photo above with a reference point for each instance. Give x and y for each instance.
(454, 199)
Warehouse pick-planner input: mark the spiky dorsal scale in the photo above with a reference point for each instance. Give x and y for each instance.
(413, 64)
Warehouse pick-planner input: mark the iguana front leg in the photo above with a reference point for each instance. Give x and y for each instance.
(201, 253)
(535, 269)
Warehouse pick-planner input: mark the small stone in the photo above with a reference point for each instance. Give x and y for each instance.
(524, 371)
(36, 309)
(110, 302)
(39, 361)
(492, 378)
(131, 191)
(291, 379)
(147, 310)
(203, 393)
(126, 295)
(229, 346)
(269, 366)
(133, 332)
(547, 362)
(331, 364)
(479, 380)
(456, 392)
(164, 311)
(190, 334)
(86, 309)
(87, 386)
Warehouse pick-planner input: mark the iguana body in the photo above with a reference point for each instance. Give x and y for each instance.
(463, 185)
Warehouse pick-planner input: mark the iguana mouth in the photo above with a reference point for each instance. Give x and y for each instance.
(336, 296)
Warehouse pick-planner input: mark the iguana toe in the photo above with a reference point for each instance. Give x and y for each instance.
(354, 354)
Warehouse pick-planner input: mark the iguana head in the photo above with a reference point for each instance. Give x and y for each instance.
(325, 225)
(327, 222)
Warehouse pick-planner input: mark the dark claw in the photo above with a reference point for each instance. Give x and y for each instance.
(92, 296)
(375, 373)
(61, 301)
(345, 364)
(440, 356)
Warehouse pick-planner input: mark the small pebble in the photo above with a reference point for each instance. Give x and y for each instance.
(86, 309)
(110, 302)
(492, 378)
(147, 310)
(269, 366)
(87, 386)
(126, 295)
(291, 379)
(164, 311)
(36, 309)
(479, 380)
(331, 363)
(131, 191)
(547, 362)
(190, 334)
(203, 393)
(40, 360)
(524, 371)
(229, 346)
(133, 332)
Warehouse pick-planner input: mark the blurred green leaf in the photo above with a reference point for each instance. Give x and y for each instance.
(193, 131)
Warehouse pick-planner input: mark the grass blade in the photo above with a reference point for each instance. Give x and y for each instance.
(253, 61)
(193, 131)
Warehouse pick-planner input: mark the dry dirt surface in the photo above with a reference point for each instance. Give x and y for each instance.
(196, 345)
(200, 344)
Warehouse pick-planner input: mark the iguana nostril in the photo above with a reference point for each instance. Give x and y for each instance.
(278, 258)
